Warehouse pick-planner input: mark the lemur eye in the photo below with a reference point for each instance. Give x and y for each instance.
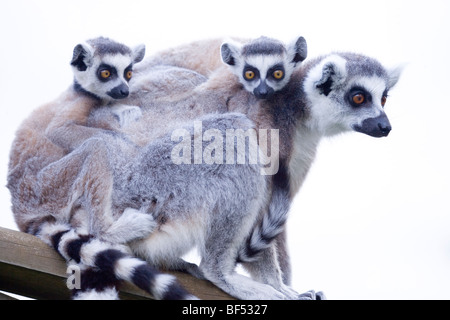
(358, 98)
(105, 74)
(383, 101)
(278, 74)
(129, 74)
(249, 75)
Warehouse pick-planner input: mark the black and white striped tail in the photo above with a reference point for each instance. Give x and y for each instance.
(104, 265)
(273, 221)
(271, 226)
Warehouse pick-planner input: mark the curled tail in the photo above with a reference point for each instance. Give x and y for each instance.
(271, 226)
(274, 220)
(104, 265)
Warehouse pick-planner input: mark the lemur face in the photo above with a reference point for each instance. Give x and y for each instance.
(264, 75)
(349, 92)
(264, 65)
(105, 68)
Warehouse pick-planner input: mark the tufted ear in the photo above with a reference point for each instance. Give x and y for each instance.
(394, 75)
(82, 56)
(333, 73)
(230, 52)
(138, 53)
(298, 50)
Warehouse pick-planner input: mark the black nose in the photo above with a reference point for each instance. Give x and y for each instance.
(376, 127)
(263, 91)
(120, 92)
(385, 128)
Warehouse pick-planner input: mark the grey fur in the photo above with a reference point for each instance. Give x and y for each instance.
(263, 45)
(104, 46)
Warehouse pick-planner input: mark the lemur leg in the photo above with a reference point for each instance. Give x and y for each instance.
(84, 179)
(220, 252)
(217, 268)
(283, 257)
(267, 270)
(187, 267)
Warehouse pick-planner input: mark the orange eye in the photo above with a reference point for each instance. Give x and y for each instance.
(278, 74)
(105, 74)
(383, 101)
(249, 75)
(358, 98)
(129, 74)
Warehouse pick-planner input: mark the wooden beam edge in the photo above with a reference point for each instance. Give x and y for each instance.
(29, 266)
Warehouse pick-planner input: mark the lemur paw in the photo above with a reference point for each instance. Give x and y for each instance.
(127, 114)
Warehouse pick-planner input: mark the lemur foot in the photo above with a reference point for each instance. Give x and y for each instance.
(312, 295)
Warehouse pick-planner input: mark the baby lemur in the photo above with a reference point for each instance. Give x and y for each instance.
(263, 65)
(102, 71)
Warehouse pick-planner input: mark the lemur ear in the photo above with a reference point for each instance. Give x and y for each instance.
(138, 53)
(299, 50)
(82, 56)
(333, 74)
(230, 52)
(394, 75)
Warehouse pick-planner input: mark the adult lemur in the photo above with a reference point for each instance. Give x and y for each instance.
(199, 56)
(329, 95)
(64, 197)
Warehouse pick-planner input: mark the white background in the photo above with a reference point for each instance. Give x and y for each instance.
(372, 221)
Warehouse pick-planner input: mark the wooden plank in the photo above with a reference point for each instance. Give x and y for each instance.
(6, 297)
(31, 268)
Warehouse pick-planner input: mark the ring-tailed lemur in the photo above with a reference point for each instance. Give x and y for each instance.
(329, 95)
(102, 71)
(264, 65)
(48, 187)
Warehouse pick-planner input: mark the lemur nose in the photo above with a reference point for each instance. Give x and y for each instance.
(124, 92)
(376, 127)
(120, 92)
(385, 128)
